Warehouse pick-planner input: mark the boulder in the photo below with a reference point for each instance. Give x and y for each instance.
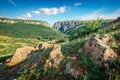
(20, 55)
(98, 50)
(55, 57)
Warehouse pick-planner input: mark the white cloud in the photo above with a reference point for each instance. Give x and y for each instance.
(12, 2)
(78, 4)
(44, 11)
(37, 12)
(101, 14)
(27, 16)
(52, 11)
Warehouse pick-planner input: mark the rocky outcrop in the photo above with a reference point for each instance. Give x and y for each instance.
(30, 59)
(20, 55)
(43, 45)
(65, 25)
(98, 50)
(35, 22)
(55, 57)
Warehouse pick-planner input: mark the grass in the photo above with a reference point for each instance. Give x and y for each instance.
(13, 36)
(21, 30)
(8, 45)
(95, 72)
(85, 30)
(71, 48)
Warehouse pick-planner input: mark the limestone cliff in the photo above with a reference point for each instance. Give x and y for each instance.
(62, 26)
(12, 21)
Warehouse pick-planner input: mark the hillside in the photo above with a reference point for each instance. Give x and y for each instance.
(12, 21)
(90, 51)
(14, 35)
(30, 30)
(63, 26)
(95, 26)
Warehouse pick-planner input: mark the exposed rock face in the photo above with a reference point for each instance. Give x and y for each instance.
(43, 45)
(65, 25)
(32, 59)
(20, 55)
(55, 57)
(98, 50)
(12, 21)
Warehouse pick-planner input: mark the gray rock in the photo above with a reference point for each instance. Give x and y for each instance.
(65, 25)
(98, 50)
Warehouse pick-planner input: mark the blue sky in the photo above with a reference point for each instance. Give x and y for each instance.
(59, 10)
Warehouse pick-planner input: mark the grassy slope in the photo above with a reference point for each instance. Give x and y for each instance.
(19, 34)
(8, 45)
(76, 40)
(78, 36)
(96, 27)
(21, 30)
(70, 49)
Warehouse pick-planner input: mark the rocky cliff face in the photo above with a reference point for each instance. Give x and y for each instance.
(65, 25)
(12, 21)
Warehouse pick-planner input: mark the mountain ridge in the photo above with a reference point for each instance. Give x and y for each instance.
(66, 25)
(35, 22)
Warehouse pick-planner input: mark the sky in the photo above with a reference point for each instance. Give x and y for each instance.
(59, 10)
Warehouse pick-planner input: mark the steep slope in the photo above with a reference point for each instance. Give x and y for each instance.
(17, 33)
(30, 30)
(87, 29)
(64, 26)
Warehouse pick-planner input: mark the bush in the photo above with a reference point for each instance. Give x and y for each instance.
(84, 30)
